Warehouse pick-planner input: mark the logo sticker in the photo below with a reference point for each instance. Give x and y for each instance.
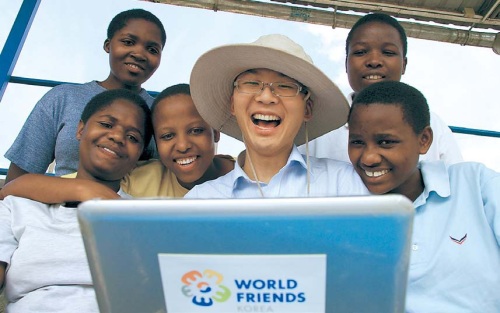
(243, 283)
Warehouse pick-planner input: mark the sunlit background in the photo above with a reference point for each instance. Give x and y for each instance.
(65, 44)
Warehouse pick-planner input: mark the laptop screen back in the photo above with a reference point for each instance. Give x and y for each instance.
(346, 254)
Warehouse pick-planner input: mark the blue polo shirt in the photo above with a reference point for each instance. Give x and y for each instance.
(455, 259)
(328, 178)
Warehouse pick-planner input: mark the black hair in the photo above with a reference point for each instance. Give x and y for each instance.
(411, 101)
(380, 18)
(179, 89)
(106, 98)
(120, 21)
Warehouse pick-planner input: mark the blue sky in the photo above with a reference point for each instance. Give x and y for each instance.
(65, 43)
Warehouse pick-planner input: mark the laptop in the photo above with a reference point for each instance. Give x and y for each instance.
(308, 255)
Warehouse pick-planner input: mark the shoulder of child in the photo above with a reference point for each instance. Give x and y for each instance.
(72, 90)
(148, 165)
(472, 169)
(225, 157)
(225, 162)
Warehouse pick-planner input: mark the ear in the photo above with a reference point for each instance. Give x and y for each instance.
(106, 45)
(425, 140)
(308, 109)
(405, 61)
(79, 130)
(216, 135)
(232, 105)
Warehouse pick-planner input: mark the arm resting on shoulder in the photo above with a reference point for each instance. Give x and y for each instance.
(14, 172)
(49, 189)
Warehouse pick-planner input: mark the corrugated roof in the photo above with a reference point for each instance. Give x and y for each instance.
(471, 22)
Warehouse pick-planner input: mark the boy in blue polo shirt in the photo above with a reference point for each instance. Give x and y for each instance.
(455, 260)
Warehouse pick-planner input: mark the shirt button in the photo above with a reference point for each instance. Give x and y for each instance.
(414, 247)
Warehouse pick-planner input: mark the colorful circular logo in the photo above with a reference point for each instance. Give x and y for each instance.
(204, 289)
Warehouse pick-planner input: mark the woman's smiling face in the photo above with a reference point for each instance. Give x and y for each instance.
(185, 142)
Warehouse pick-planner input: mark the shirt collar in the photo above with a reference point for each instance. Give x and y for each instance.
(123, 194)
(238, 174)
(436, 179)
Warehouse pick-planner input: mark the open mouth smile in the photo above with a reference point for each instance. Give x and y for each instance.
(376, 173)
(109, 151)
(185, 161)
(374, 77)
(264, 120)
(134, 67)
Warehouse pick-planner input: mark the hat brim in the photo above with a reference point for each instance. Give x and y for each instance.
(213, 75)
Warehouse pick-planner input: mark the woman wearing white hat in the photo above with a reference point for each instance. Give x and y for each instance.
(270, 95)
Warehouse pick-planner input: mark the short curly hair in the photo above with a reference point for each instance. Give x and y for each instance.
(412, 102)
(106, 98)
(120, 21)
(379, 18)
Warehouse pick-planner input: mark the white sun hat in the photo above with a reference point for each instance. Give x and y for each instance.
(214, 73)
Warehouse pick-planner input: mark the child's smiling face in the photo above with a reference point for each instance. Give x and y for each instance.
(134, 53)
(384, 149)
(375, 54)
(186, 143)
(111, 141)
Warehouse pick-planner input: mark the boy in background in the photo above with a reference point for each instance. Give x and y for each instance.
(376, 49)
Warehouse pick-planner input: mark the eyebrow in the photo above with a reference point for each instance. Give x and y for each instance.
(114, 120)
(136, 38)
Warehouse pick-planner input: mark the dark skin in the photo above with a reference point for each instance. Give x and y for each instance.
(3, 265)
(375, 54)
(111, 142)
(134, 55)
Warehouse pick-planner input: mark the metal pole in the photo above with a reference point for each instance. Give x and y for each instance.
(15, 41)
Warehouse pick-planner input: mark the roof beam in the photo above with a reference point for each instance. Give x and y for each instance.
(338, 19)
(459, 18)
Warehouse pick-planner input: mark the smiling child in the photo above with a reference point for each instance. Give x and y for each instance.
(456, 233)
(376, 50)
(42, 258)
(134, 43)
(186, 146)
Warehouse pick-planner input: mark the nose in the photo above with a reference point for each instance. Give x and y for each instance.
(117, 135)
(138, 54)
(266, 95)
(370, 157)
(374, 60)
(183, 144)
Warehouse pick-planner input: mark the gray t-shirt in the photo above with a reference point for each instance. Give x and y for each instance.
(49, 133)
